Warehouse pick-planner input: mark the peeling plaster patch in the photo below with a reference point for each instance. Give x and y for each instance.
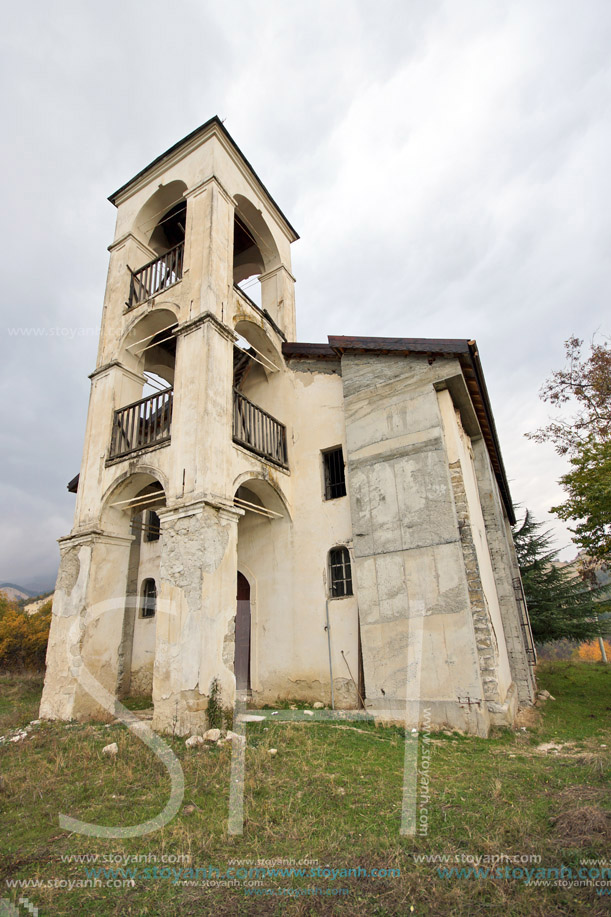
(309, 691)
(229, 645)
(190, 641)
(314, 366)
(193, 545)
(69, 571)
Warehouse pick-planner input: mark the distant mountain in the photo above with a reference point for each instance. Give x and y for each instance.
(16, 592)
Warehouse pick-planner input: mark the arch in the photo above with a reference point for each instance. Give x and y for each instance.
(126, 497)
(151, 215)
(255, 249)
(148, 345)
(266, 493)
(265, 351)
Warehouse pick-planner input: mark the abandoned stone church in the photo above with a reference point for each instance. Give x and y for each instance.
(324, 522)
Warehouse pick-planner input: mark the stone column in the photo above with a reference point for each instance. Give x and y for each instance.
(126, 253)
(112, 387)
(196, 613)
(209, 248)
(87, 627)
(203, 406)
(278, 298)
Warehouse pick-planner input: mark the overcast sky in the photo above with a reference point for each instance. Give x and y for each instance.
(447, 165)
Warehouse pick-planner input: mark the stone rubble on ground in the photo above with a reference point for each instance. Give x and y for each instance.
(212, 735)
(549, 748)
(111, 751)
(234, 735)
(193, 741)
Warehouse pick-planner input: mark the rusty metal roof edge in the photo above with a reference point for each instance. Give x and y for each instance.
(343, 343)
(501, 475)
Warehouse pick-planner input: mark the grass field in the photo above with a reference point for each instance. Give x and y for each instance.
(332, 795)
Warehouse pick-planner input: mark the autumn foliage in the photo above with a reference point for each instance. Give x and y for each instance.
(590, 652)
(23, 637)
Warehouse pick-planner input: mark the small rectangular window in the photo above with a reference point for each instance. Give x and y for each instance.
(335, 478)
(340, 573)
(149, 598)
(152, 528)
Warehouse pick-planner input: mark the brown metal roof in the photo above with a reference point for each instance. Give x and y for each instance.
(464, 350)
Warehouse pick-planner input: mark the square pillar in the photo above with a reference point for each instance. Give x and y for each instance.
(196, 609)
(87, 627)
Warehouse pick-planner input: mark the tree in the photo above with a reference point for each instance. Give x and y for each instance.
(588, 485)
(586, 383)
(559, 602)
(585, 437)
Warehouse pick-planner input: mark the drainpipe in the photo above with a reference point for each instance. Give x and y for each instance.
(328, 629)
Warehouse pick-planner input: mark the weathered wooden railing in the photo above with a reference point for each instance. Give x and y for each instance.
(258, 431)
(157, 275)
(142, 423)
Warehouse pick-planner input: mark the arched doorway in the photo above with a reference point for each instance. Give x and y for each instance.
(242, 635)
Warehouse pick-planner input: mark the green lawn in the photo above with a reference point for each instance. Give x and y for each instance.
(331, 795)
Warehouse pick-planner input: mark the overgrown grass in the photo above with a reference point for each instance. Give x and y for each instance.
(331, 794)
(19, 698)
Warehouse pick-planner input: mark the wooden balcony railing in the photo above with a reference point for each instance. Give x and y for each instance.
(157, 275)
(258, 431)
(144, 423)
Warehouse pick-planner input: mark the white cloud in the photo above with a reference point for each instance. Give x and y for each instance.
(445, 163)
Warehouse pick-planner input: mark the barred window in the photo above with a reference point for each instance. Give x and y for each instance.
(153, 526)
(335, 478)
(149, 598)
(340, 574)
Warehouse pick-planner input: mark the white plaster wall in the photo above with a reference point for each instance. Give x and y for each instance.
(143, 648)
(288, 559)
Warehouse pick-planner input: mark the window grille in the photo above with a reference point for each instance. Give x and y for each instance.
(152, 529)
(340, 573)
(149, 598)
(335, 478)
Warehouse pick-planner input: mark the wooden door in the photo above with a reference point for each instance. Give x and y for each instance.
(242, 635)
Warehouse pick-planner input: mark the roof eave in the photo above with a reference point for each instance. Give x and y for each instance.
(216, 123)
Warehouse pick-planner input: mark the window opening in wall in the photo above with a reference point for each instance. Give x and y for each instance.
(340, 573)
(152, 528)
(149, 598)
(335, 478)
(247, 262)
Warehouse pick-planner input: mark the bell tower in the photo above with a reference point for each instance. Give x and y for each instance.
(186, 404)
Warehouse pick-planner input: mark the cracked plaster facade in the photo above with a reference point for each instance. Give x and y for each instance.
(425, 518)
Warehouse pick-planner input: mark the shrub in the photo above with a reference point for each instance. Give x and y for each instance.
(590, 652)
(214, 711)
(23, 637)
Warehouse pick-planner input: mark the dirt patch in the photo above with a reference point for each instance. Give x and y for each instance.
(582, 826)
(528, 717)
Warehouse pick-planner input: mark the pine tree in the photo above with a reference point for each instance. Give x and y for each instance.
(560, 603)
